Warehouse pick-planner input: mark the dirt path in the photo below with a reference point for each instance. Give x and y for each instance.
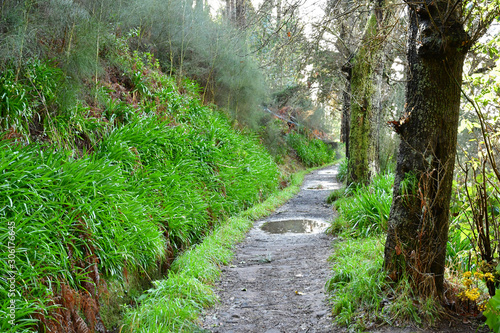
(276, 281)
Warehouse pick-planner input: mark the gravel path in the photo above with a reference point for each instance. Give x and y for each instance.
(276, 281)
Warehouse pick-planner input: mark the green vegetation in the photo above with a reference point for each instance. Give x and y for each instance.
(173, 305)
(365, 209)
(357, 281)
(361, 294)
(111, 169)
(311, 151)
(343, 170)
(119, 194)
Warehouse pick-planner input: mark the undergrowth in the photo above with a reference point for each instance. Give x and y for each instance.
(311, 151)
(121, 204)
(361, 295)
(364, 210)
(168, 307)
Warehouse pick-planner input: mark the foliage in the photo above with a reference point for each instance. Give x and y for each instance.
(363, 297)
(153, 183)
(478, 180)
(188, 43)
(492, 312)
(173, 305)
(366, 210)
(70, 217)
(312, 152)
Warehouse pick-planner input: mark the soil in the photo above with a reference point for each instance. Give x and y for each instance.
(276, 281)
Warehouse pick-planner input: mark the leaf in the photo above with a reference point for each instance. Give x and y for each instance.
(492, 313)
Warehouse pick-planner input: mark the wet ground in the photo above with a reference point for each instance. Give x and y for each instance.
(276, 280)
(275, 283)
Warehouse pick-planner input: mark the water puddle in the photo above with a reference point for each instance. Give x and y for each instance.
(301, 226)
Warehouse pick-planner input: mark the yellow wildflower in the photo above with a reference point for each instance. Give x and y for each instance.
(489, 277)
(467, 274)
(468, 283)
(481, 307)
(478, 275)
(472, 294)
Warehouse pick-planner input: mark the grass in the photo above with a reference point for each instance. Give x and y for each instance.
(105, 195)
(362, 297)
(144, 189)
(357, 281)
(171, 308)
(311, 151)
(365, 209)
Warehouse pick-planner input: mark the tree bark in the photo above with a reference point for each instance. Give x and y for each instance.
(419, 218)
(240, 13)
(346, 108)
(363, 128)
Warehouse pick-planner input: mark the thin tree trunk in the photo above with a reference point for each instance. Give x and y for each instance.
(346, 107)
(279, 14)
(200, 6)
(241, 13)
(419, 218)
(228, 10)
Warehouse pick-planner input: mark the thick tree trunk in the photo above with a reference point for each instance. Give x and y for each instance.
(418, 222)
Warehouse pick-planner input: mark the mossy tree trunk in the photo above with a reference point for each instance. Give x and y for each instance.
(362, 153)
(419, 217)
(346, 107)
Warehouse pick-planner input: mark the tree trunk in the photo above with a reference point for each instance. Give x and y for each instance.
(278, 14)
(240, 13)
(346, 107)
(228, 10)
(362, 154)
(200, 6)
(418, 222)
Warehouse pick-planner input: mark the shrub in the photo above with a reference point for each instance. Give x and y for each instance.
(312, 152)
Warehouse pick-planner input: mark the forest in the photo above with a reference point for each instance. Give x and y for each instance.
(140, 141)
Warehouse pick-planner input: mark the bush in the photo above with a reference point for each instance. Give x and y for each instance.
(312, 152)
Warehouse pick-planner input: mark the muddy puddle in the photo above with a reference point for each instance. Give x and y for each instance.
(298, 226)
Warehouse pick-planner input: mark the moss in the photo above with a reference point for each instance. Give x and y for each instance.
(362, 151)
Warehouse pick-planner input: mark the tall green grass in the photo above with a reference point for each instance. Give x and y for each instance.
(357, 282)
(69, 215)
(147, 187)
(312, 152)
(365, 209)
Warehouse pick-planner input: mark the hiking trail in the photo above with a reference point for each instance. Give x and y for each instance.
(276, 282)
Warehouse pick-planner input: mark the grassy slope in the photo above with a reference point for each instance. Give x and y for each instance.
(174, 304)
(158, 175)
(99, 198)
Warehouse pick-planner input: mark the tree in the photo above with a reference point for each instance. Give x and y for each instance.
(419, 219)
(365, 78)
